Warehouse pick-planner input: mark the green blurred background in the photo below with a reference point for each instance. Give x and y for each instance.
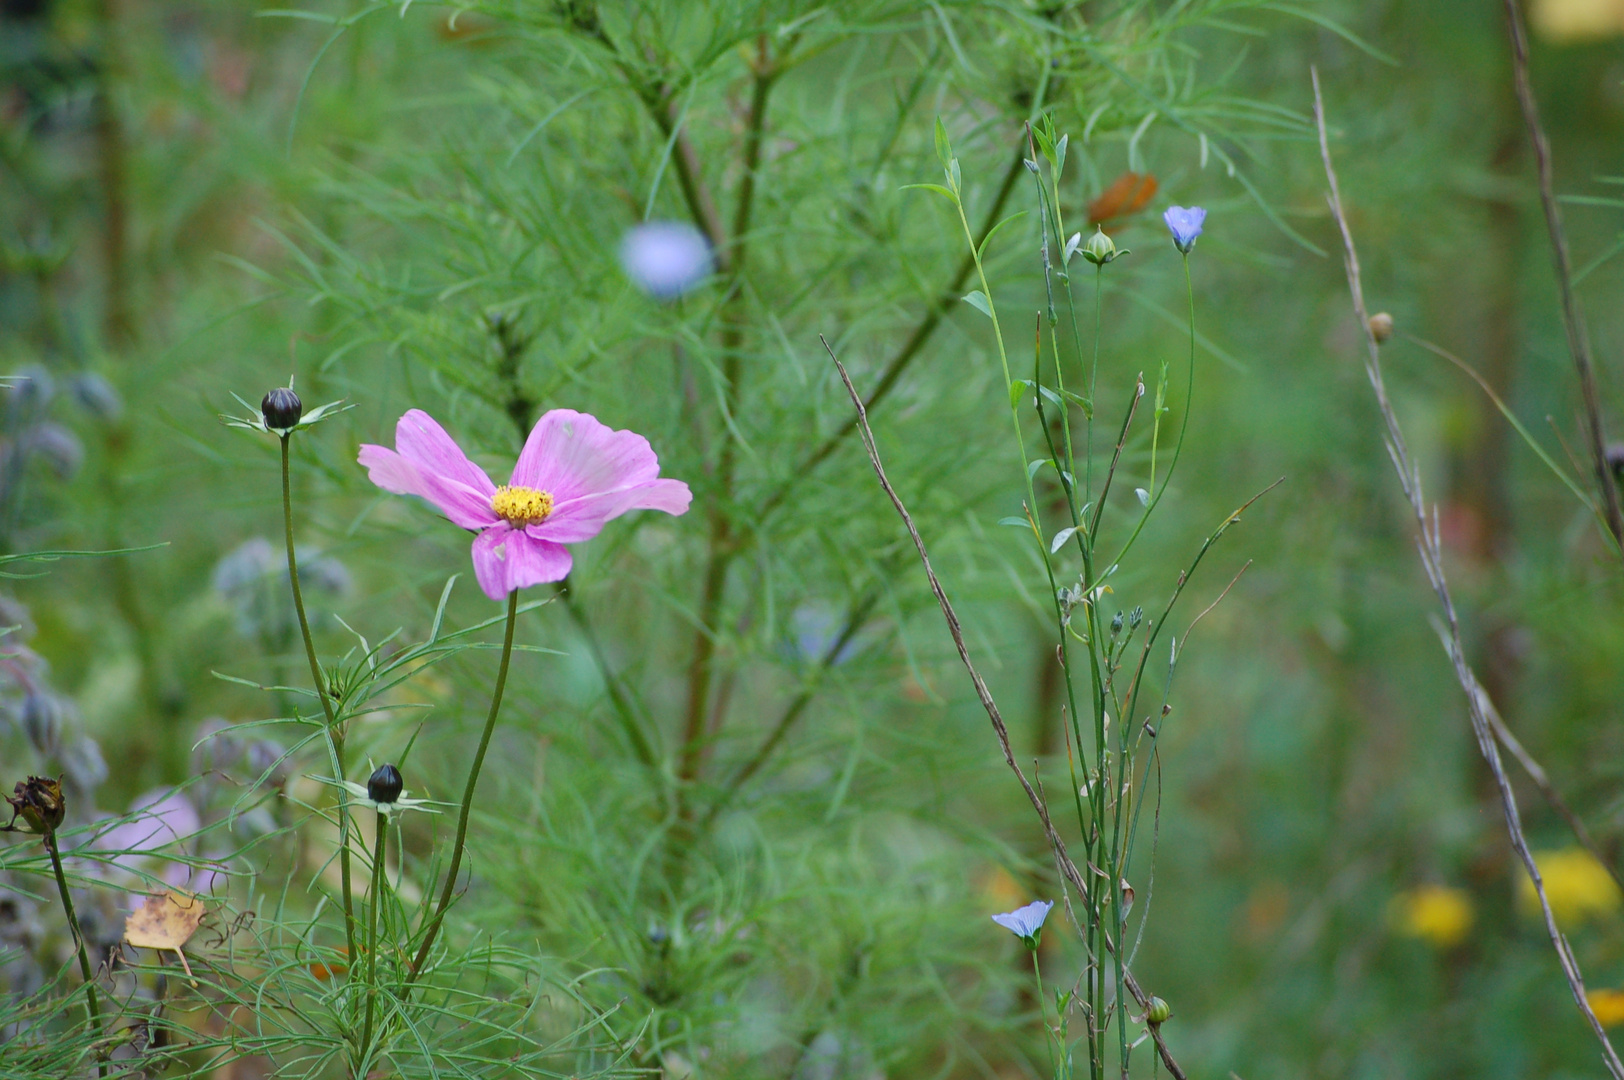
(425, 210)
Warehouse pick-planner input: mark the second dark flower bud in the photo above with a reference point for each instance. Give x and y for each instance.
(281, 409)
(385, 784)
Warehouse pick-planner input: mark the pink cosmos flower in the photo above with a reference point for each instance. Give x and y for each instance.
(573, 475)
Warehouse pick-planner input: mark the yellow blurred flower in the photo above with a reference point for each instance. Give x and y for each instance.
(1568, 20)
(1578, 887)
(1608, 1005)
(1437, 914)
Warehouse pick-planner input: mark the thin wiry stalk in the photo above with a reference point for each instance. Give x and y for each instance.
(91, 1001)
(1430, 545)
(378, 883)
(1068, 868)
(1572, 318)
(450, 888)
(334, 731)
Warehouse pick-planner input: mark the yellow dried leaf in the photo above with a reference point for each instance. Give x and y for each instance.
(164, 921)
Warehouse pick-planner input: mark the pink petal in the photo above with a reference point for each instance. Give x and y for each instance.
(570, 454)
(583, 518)
(506, 559)
(431, 465)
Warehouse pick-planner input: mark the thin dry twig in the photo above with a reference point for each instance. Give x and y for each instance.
(1537, 774)
(1572, 318)
(1429, 544)
(1067, 867)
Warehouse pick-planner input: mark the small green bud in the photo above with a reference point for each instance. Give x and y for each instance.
(1157, 1011)
(1101, 249)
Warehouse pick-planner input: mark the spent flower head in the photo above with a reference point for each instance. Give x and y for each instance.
(1185, 224)
(574, 474)
(38, 801)
(1026, 922)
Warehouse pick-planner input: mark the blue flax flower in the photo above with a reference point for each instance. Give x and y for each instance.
(1186, 225)
(1026, 923)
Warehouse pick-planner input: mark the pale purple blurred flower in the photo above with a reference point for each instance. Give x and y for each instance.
(161, 821)
(97, 397)
(60, 448)
(1025, 922)
(574, 474)
(665, 258)
(1185, 224)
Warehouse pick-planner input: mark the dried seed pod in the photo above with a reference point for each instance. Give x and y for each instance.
(38, 801)
(1381, 326)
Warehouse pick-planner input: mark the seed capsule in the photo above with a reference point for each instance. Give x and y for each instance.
(281, 409)
(1381, 326)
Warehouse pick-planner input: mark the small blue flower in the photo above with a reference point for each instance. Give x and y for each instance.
(1026, 923)
(666, 258)
(1185, 224)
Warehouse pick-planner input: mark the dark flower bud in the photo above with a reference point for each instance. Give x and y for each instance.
(1157, 1011)
(385, 784)
(1116, 624)
(38, 801)
(281, 409)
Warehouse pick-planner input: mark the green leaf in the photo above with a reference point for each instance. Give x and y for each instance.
(1015, 522)
(978, 300)
(1017, 389)
(1032, 467)
(944, 148)
(937, 188)
(1060, 539)
(1051, 395)
(992, 232)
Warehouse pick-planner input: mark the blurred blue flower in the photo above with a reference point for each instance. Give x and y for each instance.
(665, 258)
(1185, 223)
(1026, 922)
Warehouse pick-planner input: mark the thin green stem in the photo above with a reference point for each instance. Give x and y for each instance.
(91, 1000)
(450, 888)
(334, 733)
(1043, 1017)
(378, 884)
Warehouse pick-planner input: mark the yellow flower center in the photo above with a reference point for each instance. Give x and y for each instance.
(521, 506)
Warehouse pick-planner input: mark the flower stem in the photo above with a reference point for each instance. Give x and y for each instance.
(378, 882)
(468, 793)
(333, 731)
(91, 999)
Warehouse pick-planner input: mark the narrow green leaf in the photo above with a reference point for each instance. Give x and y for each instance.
(992, 232)
(1017, 388)
(1060, 539)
